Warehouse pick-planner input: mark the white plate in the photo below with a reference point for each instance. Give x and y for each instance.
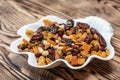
(104, 28)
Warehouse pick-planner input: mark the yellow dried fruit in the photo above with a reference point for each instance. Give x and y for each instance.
(74, 60)
(80, 61)
(25, 42)
(68, 58)
(95, 43)
(86, 47)
(48, 60)
(45, 53)
(41, 61)
(29, 33)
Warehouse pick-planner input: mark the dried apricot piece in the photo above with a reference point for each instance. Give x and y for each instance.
(25, 42)
(29, 33)
(74, 60)
(86, 47)
(51, 42)
(35, 50)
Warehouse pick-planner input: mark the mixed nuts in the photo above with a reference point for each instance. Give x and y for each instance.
(74, 43)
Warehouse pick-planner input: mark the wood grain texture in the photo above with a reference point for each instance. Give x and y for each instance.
(16, 13)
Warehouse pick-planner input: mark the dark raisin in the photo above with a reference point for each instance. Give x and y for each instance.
(53, 39)
(95, 48)
(75, 52)
(89, 38)
(93, 31)
(51, 57)
(42, 28)
(36, 37)
(70, 23)
(61, 57)
(60, 33)
(42, 46)
(67, 41)
(102, 48)
(75, 29)
(53, 29)
(38, 54)
(23, 47)
(52, 51)
(82, 25)
(102, 41)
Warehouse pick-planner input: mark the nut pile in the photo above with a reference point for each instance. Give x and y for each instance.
(69, 41)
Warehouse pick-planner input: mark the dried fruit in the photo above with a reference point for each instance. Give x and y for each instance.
(70, 23)
(45, 53)
(80, 61)
(36, 37)
(88, 38)
(74, 60)
(41, 61)
(48, 60)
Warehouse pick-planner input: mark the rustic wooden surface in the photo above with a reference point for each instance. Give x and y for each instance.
(16, 13)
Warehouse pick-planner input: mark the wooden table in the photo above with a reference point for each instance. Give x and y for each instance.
(16, 13)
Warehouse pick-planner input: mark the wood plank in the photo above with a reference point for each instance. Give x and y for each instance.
(16, 13)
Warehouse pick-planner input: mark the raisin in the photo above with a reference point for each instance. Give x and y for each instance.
(95, 48)
(53, 39)
(67, 41)
(42, 28)
(70, 23)
(60, 33)
(102, 48)
(75, 52)
(75, 29)
(22, 47)
(89, 38)
(93, 31)
(38, 54)
(61, 57)
(53, 29)
(51, 57)
(36, 37)
(102, 41)
(82, 25)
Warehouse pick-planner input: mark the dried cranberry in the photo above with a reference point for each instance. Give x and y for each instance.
(38, 54)
(36, 37)
(42, 28)
(89, 38)
(52, 51)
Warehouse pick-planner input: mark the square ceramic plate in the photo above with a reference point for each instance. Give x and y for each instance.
(104, 28)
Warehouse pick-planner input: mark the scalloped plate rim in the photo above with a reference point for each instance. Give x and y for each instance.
(110, 32)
